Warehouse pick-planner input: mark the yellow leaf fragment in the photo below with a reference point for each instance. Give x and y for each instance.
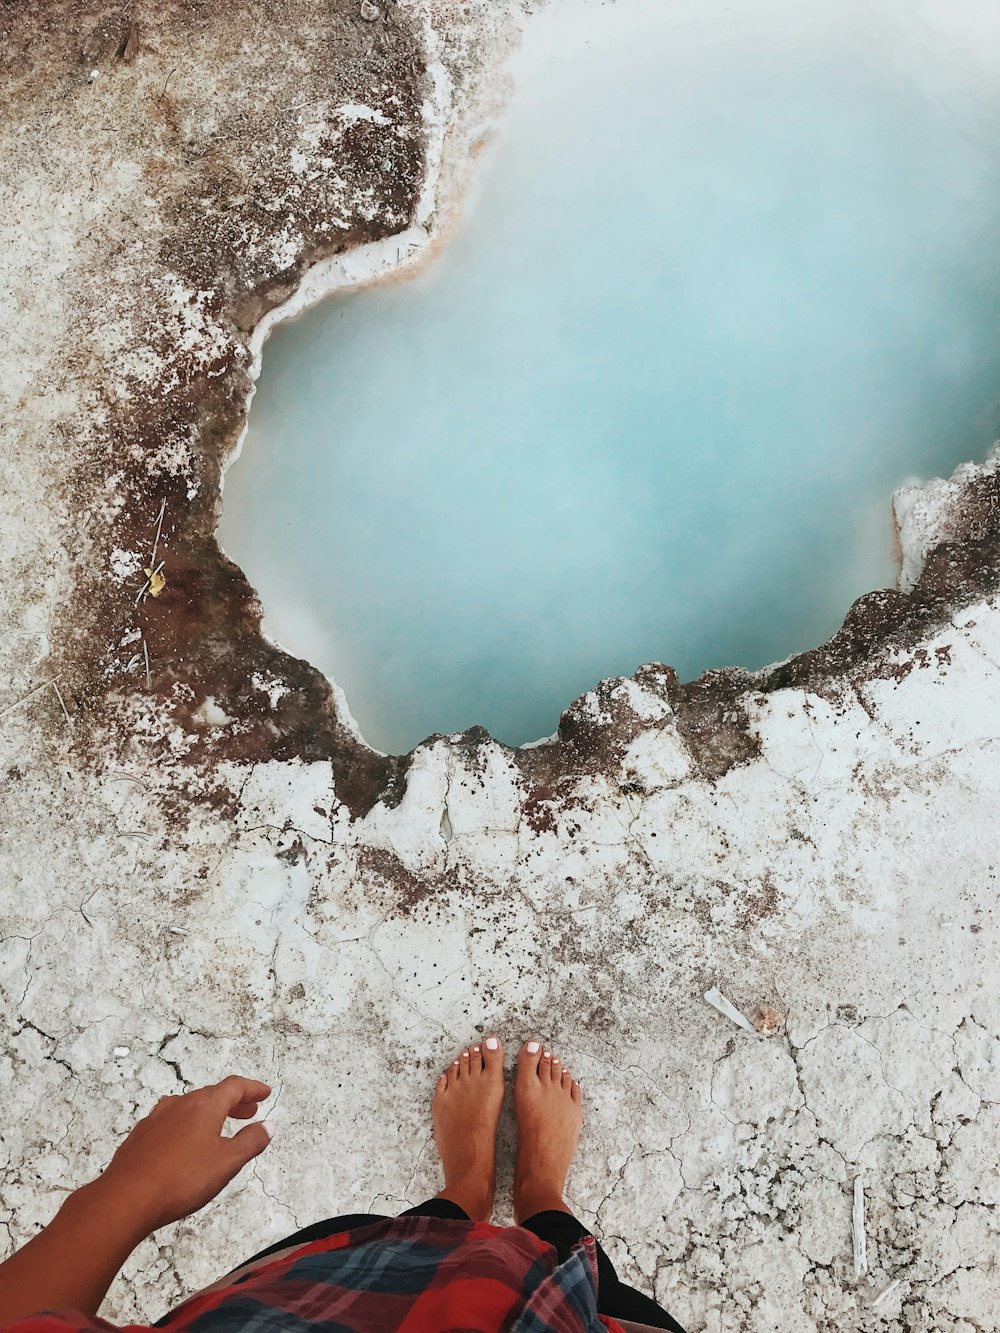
(156, 581)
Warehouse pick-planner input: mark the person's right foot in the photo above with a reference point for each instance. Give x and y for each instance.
(549, 1110)
(466, 1108)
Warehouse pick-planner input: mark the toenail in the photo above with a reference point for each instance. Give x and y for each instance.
(546, 1055)
(492, 1044)
(532, 1047)
(465, 1055)
(555, 1059)
(475, 1050)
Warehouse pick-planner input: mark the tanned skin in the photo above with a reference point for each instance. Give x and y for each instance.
(172, 1163)
(177, 1159)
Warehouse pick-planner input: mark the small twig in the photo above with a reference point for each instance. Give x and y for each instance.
(167, 80)
(893, 1286)
(145, 653)
(149, 579)
(159, 525)
(37, 690)
(62, 705)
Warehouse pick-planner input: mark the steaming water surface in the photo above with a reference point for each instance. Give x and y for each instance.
(729, 278)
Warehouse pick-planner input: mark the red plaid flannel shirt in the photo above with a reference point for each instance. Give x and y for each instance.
(411, 1274)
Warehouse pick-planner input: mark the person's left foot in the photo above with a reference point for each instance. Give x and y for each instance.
(466, 1109)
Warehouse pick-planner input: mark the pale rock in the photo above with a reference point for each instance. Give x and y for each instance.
(656, 759)
(972, 1171)
(845, 1088)
(978, 1054)
(757, 1083)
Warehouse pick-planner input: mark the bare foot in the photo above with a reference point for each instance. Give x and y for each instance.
(548, 1105)
(466, 1109)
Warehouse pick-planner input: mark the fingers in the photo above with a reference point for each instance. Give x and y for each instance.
(236, 1096)
(245, 1111)
(249, 1143)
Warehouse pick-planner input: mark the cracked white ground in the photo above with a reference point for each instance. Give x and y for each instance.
(717, 1165)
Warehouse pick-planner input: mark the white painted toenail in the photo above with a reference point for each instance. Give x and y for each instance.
(465, 1055)
(492, 1044)
(546, 1055)
(476, 1050)
(532, 1047)
(555, 1059)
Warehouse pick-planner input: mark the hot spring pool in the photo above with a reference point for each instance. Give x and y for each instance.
(730, 275)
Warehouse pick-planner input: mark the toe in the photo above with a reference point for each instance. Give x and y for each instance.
(567, 1080)
(556, 1068)
(493, 1055)
(529, 1057)
(463, 1064)
(475, 1059)
(576, 1092)
(452, 1071)
(545, 1066)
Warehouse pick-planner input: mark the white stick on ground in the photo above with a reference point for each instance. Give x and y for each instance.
(45, 685)
(62, 705)
(156, 539)
(858, 1221)
(24, 698)
(718, 1001)
(893, 1286)
(154, 570)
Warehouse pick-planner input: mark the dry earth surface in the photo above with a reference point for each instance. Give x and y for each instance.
(205, 869)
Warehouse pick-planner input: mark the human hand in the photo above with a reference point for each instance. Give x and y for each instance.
(176, 1160)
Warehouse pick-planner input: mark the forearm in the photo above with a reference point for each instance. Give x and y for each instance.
(72, 1262)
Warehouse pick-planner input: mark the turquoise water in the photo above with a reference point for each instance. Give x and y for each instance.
(709, 307)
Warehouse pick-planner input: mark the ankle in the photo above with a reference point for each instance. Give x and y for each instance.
(529, 1200)
(473, 1198)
